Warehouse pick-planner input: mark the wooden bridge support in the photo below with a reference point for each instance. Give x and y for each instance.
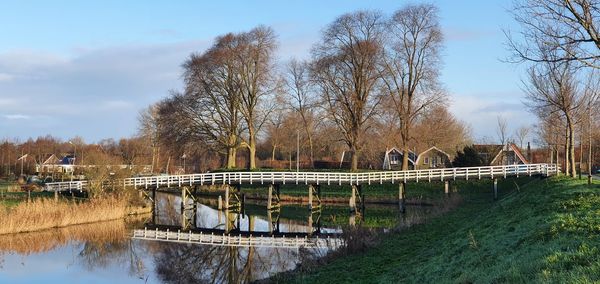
(188, 208)
(314, 222)
(233, 198)
(314, 194)
(402, 196)
(495, 189)
(447, 188)
(273, 202)
(273, 217)
(356, 199)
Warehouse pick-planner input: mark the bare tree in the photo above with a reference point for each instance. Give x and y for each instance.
(149, 124)
(553, 88)
(257, 81)
(302, 99)
(502, 130)
(410, 69)
(522, 133)
(568, 27)
(345, 69)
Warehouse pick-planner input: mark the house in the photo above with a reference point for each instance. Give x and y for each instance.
(52, 164)
(497, 155)
(433, 158)
(392, 159)
(487, 152)
(510, 154)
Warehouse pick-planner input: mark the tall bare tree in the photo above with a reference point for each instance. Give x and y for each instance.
(553, 88)
(257, 81)
(345, 70)
(502, 130)
(410, 69)
(302, 99)
(522, 133)
(567, 27)
(149, 124)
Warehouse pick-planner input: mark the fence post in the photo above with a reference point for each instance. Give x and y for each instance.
(495, 189)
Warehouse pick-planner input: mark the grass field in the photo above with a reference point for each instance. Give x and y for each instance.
(544, 231)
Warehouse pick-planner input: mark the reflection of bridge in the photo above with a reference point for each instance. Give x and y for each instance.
(242, 239)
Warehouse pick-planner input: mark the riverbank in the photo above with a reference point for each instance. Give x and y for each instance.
(45, 213)
(543, 231)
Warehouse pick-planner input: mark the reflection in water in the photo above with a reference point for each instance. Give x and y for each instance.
(104, 252)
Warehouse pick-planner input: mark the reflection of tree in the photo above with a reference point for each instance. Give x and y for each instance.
(180, 263)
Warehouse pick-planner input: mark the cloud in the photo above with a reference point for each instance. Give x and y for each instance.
(16, 116)
(4, 77)
(482, 111)
(96, 92)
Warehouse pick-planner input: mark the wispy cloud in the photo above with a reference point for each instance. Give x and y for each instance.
(16, 116)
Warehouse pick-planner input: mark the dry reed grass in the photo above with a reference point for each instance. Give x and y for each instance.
(43, 214)
(46, 240)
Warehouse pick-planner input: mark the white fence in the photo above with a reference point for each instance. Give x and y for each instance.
(327, 177)
(237, 240)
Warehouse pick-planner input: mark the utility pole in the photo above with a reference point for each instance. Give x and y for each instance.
(297, 150)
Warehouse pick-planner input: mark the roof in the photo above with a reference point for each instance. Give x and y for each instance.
(51, 160)
(412, 156)
(514, 148)
(433, 148)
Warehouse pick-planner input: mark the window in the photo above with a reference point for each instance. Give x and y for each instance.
(426, 161)
(394, 159)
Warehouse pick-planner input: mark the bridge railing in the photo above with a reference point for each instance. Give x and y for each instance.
(329, 178)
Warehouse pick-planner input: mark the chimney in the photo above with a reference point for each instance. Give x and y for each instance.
(529, 153)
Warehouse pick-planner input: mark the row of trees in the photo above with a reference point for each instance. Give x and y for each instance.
(560, 43)
(372, 82)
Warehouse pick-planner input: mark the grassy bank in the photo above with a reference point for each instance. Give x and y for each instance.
(544, 231)
(41, 214)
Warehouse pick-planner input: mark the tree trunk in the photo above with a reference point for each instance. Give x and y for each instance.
(251, 147)
(231, 156)
(354, 165)
(566, 149)
(572, 151)
(405, 159)
(310, 145)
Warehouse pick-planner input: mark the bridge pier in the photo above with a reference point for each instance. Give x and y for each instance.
(233, 199)
(314, 223)
(273, 201)
(188, 211)
(402, 196)
(356, 199)
(273, 217)
(314, 192)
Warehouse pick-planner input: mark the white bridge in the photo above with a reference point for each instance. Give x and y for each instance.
(237, 240)
(322, 178)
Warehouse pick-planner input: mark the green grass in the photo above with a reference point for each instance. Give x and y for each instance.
(547, 231)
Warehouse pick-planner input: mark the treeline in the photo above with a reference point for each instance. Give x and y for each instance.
(560, 45)
(371, 83)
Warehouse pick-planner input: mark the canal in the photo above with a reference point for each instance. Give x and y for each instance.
(105, 252)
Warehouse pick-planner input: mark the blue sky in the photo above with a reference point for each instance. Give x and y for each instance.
(86, 68)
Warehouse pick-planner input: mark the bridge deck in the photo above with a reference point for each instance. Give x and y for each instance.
(236, 240)
(328, 178)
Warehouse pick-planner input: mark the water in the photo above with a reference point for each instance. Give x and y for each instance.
(104, 252)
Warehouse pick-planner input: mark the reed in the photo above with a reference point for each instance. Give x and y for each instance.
(43, 214)
(46, 240)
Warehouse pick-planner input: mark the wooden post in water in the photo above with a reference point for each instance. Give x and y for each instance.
(402, 196)
(220, 203)
(495, 189)
(56, 195)
(270, 198)
(226, 197)
(310, 197)
(352, 202)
